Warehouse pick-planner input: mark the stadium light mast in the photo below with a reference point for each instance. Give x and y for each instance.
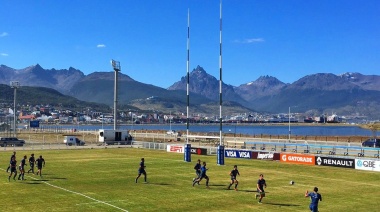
(220, 154)
(15, 85)
(290, 132)
(116, 67)
(187, 154)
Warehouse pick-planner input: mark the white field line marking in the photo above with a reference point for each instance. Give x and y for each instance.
(90, 203)
(77, 193)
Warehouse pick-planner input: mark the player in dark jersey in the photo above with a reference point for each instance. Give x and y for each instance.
(261, 184)
(141, 170)
(315, 197)
(203, 175)
(21, 167)
(32, 161)
(197, 168)
(40, 163)
(12, 166)
(12, 156)
(234, 172)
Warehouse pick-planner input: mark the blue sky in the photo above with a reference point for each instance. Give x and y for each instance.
(287, 39)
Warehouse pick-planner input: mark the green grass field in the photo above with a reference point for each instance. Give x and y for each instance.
(103, 180)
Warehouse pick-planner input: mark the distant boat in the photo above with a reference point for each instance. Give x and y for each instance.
(309, 120)
(334, 119)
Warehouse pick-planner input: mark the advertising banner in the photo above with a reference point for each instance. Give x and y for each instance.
(297, 158)
(175, 148)
(276, 156)
(198, 151)
(368, 165)
(237, 154)
(263, 155)
(336, 162)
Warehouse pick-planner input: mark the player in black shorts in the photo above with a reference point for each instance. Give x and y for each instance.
(203, 175)
(141, 170)
(12, 156)
(22, 168)
(12, 166)
(32, 161)
(234, 172)
(40, 163)
(260, 188)
(197, 168)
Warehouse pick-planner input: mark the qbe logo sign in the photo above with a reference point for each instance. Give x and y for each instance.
(369, 165)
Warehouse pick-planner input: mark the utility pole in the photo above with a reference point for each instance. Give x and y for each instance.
(15, 85)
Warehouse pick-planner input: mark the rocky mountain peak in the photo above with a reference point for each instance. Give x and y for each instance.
(267, 81)
(264, 85)
(323, 81)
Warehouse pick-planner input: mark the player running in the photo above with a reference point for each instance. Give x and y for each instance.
(197, 168)
(234, 172)
(260, 188)
(40, 163)
(21, 167)
(10, 160)
(315, 197)
(12, 166)
(203, 175)
(141, 170)
(32, 161)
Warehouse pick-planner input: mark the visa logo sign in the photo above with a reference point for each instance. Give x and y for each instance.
(237, 154)
(244, 154)
(231, 154)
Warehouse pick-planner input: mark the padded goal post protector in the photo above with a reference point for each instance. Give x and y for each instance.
(220, 155)
(187, 153)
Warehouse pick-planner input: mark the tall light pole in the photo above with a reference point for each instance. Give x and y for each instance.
(220, 151)
(187, 155)
(290, 132)
(116, 67)
(15, 85)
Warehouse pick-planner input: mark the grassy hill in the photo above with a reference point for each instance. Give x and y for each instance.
(45, 96)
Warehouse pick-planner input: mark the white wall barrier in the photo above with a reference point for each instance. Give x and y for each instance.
(367, 165)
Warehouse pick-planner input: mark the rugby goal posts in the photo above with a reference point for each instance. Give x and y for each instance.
(215, 140)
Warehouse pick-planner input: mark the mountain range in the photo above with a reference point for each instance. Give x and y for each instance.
(350, 94)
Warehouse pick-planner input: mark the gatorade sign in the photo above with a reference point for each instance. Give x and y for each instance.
(297, 158)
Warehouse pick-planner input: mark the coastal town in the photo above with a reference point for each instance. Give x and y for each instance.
(50, 115)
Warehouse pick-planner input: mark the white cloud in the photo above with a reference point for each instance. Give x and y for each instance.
(250, 40)
(3, 34)
(101, 46)
(4, 54)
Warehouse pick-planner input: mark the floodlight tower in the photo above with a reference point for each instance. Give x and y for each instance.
(15, 85)
(116, 67)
